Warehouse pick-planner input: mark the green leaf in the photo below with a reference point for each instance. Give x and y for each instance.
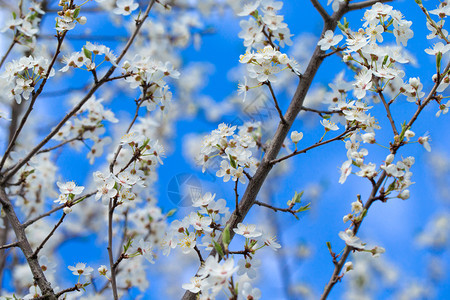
(76, 12)
(171, 212)
(14, 15)
(298, 197)
(232, 161)
(87, 53)
(390, 188)
(438, 62)
(127, 245)
(218, 248)
(329, 246)
(226, 238)
(304, 208)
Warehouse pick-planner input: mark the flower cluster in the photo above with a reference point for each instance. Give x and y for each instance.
(24, 74)
(86, 57)
(204, 224)
(401, 174)
(68, 16)
(234, 151)
(265, 21)
(264, 64)
(136, 164)
(150, 75)
(26, 27)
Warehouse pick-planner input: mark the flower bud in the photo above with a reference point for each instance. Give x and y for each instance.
(404, 195)
(82, 20)
(296, 136)
(389, 159)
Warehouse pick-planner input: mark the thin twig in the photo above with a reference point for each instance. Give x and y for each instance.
(275, 209)
(199, 254)
(276, 102)
(78, 138)
(296, 152)
(112, 204)
(321, 112)
(11, 46)
(39, 248)
(386, 106)
(15, 244)
(237, 195)
(75, 201)
(364, 4)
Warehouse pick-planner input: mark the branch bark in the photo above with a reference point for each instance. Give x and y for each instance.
(25, 246)
(266, 165)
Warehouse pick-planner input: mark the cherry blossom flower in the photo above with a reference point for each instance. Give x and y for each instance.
(351, 240)
(346, 169)
(194, 286)
(296, 136)
(249, 8)
(125, 7)
(248, 266)
(438, 48)
(248, 231)
(424, 141)
(268, 240)
(329, 125)
(81, 269)
(329, 40)
(69, 187)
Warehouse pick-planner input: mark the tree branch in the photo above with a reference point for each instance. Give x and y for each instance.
(25, 246)
(325, 16)
(296, 152)
(364, 4)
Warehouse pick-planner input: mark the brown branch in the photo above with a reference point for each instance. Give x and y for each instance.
(39, 248)
(321, 112)
(11, 46)
(280, 113)
(119, 148)
(237, 195)
(75, 201)
(111, 207)
(78, 138)
(275, 209)
(15, 244)
(364, 4)
(199, 254)
(386, 106)
(296, 152)
(24, 245)
(325, 16)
